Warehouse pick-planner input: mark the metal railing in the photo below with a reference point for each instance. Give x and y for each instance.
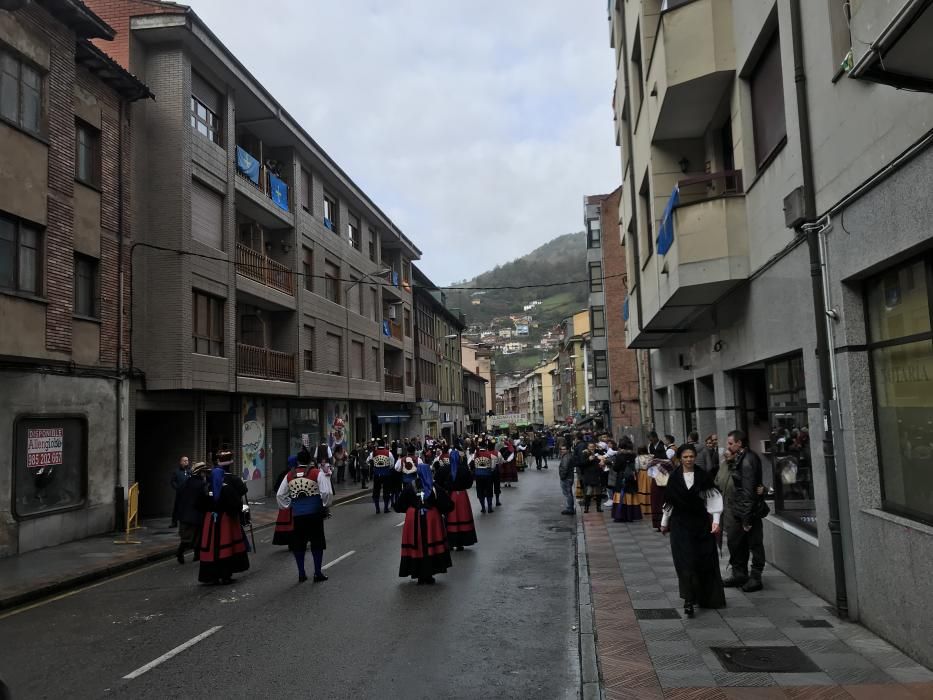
(694, 190)
(264, 269)
(394, 383)
(263, 363)
(265, 183)
(395, 330)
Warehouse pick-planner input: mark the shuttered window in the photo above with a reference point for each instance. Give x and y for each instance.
(207, 216)
(333, 353)
(357, 359)
(767, 88)
(306, 190)
(332, 281)
(208, 324)
(373, 372)
(205, 109)
(309, 349)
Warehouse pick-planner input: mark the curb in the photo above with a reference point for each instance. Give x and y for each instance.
(110, 570)
(589, 663)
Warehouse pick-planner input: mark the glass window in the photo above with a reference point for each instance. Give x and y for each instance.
(20, 257)
(332, 281)
(330, 212)
(790, 442)
(208, 324)
(593, 238)
(353, 231)
(86, 286)
(50, 465)
(767, 88)
(600, 368)
(204, 121)
(306, 190)
(598, 321)
(373, 237)
(307, 269)
(87, 154)
(20, 93)
(309, 349)
(901, 353)
(596, 277)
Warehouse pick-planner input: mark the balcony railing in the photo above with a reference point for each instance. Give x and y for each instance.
(263, 363)
(394, 383)
(264, 269)
(692, 190)
(391, 329)
(259, 176)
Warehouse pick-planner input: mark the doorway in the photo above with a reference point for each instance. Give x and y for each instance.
(220, 430)
(162, 437)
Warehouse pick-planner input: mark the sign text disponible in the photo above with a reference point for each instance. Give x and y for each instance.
(44, 447)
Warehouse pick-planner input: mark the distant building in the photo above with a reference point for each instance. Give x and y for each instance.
(476, 302)
(521, 329)
(505, 332)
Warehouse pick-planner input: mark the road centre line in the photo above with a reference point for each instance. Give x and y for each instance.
(169, 654)
(350, 500)
(340, 558)
(399, 524)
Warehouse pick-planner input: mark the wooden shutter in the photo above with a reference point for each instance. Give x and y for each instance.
(356, 359)
(306, 189)
(767, 88)
(332, 353)
(207, 95)
(207, 216)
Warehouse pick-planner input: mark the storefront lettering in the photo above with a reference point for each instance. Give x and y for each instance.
(44, 447)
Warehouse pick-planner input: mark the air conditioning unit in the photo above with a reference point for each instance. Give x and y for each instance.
(393, 312)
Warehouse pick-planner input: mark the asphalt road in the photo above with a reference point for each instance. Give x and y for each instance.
(498, 624)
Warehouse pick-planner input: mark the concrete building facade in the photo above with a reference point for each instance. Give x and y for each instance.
(273, 302)
(733, 192)
(65, 242)
(598, 377)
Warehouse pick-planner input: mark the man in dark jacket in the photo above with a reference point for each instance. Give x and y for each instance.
(565, 471)
(708, 455)
(179, 477)
(656, 448)
(189, 516)
(744, 533)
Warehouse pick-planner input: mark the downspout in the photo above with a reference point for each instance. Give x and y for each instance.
(120, 404)
(811, 231)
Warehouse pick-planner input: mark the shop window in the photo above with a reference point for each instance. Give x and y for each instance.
(901, 352)
(50, 463)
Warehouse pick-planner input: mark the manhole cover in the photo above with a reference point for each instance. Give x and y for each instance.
(814, 623)
(657, 614)
(764, 660)
(557, 528)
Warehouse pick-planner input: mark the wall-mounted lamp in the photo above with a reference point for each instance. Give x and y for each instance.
(684, 164)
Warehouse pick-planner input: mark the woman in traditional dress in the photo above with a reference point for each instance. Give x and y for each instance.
(692, 510)
(508, 464)
(456, 479)
(284, 526)
(625, 500)
(222, 548)
(424, 540)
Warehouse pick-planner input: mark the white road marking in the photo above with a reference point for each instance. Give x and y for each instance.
(399, 524)
(169, 654)
(350, 500)
(340, 558)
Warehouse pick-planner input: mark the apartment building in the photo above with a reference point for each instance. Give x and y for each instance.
(480, 359)
(598, 379)
(535, 396)
(573, 369)
(64, 247)
(272, 303)
(763, 143)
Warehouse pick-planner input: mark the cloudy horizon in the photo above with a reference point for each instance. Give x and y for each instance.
(474, 128)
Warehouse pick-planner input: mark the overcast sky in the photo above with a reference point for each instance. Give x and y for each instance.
(477, 126)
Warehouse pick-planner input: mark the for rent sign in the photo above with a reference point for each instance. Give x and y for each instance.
(44, 447)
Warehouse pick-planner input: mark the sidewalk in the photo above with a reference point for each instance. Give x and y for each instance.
(646, 649)
(44, 572)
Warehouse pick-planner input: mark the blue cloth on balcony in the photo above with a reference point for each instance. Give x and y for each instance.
(394, 278)
(625, 310)
(666, 230)
(278, 192)
(247, 165)
(386, 329)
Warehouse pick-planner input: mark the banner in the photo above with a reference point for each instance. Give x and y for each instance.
(247, 165)
(278, 192)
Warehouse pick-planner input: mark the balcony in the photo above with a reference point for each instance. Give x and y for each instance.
(263, 269)
(692, 66)
(392, 329)
(702, 254)
(263, 363)
(394, 383)
(901, 53)
(261, 193)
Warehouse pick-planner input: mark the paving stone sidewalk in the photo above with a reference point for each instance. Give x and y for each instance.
(633, 584)
(44, 572)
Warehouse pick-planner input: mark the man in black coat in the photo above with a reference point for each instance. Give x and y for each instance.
(745, 531)
(656, 447)
(179, 477)
(189, 516)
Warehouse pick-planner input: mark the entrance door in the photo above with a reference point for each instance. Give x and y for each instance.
(751, 393)
(220, 431)
(360, 431)
(162, 437)
(277, 462)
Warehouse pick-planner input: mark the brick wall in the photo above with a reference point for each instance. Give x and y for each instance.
(117, 14)
(623, 367)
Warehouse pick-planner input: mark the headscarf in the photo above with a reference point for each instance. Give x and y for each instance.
(292, 462)
(217, 481)
(427, 479)
(454, 463)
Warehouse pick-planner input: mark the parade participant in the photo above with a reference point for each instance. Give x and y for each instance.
(508, 467)
(484, 469)
(690, 499)
(189, 518)
(222, 547)
(424, 541)
(340, 463)
(283, 522)
(306, 491)
(382, 462)
(456, 479)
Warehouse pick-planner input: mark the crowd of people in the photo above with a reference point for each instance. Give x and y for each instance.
(694, 492)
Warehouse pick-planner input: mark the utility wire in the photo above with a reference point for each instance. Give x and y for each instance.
(373, 280)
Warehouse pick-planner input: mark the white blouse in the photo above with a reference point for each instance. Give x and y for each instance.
(712, 497)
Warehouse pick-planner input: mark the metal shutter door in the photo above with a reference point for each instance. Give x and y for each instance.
(207, 216)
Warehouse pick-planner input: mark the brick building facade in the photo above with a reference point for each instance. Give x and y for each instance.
(64, 242)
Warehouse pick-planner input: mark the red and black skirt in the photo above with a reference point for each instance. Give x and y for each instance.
(284, 527)
(508, 472)
(461, 531)
(424, 544)
(222, 548)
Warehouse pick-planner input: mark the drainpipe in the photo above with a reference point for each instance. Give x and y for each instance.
(121, 383)
(812, 232)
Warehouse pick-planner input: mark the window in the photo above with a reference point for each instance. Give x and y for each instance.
(306, 190)
(330, 212)
(767, 88)
(20, 257)
(406, 314)
(593, 234)
(205, 108)
(355, 297)
(20, 93)
(596, 277)
(374, 362)
(647, 229)
(86, 287)
(373, 238)
(333, 353)
(87, 154)
(58, 443)
(332, 281)
(638, 75)
(307, 269)
(208, 324)
(598, 321)
(309, 349)
(840, 36)
(374, 305)
(207, 216)
(357, 355)
(409, 374)
(353, 231)
(900, 344)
